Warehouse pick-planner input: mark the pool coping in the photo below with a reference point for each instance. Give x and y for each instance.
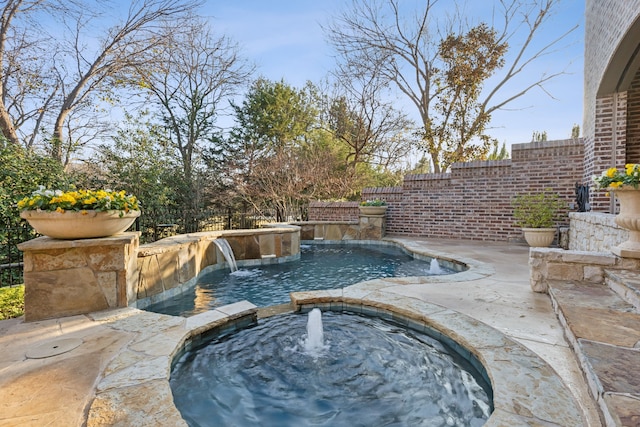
(134, 388)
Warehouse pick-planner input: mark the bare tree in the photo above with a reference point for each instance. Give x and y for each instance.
(123, 47)
(290, 178)
(47, 70)
(373, 36)
(13, 44)
(373, 130)
(187, 80)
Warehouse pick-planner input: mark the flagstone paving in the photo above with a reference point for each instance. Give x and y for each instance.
(117, 374)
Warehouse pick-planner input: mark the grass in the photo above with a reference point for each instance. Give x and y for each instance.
(11, 302)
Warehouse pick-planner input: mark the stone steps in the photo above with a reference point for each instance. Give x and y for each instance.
(604, 330)
(626, 283)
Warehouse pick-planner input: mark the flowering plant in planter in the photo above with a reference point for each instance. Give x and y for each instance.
(613, 178)
(79, 201)
(375, 202)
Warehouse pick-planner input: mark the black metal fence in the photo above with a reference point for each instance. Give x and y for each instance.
(10, 256)
(153, 225)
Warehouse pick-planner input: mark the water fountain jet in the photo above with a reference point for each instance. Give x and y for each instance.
(227, 252)
(434, 267)
(314, 343)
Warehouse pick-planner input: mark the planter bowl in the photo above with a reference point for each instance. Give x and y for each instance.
(77, 225)
(373, 210)
(539, 237)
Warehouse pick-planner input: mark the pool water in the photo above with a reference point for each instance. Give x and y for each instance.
(370, 372)
(321, 266)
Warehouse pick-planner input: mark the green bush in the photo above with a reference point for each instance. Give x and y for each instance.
(537, 210)
(11, 302)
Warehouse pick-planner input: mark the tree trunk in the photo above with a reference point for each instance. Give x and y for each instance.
(6, 125)
(58, 133)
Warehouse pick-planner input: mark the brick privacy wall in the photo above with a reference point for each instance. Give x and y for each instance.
(606, 148)
(333, 211)
(633, 121)
(473, 201)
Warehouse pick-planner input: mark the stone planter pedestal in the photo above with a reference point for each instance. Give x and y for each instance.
(372, 222)
(70, 277)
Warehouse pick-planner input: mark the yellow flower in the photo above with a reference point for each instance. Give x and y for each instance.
(59, 209)
(629, 168)
(83, 212)
(615, 184)
(611, 172)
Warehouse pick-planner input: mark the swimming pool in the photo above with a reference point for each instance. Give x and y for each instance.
(321, 266)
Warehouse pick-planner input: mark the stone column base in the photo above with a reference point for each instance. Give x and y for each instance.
(70, 277)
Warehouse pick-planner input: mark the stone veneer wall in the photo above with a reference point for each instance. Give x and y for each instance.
(171, 265)
(473, 201)
(595, 232)
(550, 264)
(69, 277)
(366, 227)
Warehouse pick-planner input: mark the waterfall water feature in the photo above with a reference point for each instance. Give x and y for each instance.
(314, 343)
(434, 267)
(227, 252)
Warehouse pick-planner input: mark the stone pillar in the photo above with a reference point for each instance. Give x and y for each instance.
(372, 226)
(70, 277)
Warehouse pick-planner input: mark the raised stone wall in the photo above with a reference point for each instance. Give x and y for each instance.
(364, 227)
(550, 264)
(171, 265)
(69, 277)
(595, 232)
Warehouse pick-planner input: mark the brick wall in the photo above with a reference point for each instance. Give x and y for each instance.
(606, 147)
(473, 201)
(611, 122)
(606, 24)
(633, 121)
(333, 211)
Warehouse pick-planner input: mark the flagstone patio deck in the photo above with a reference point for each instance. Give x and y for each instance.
(112, 367)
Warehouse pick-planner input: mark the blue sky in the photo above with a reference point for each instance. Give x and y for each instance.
(285, 41)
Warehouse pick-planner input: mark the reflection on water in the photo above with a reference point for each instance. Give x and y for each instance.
(204, 299)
